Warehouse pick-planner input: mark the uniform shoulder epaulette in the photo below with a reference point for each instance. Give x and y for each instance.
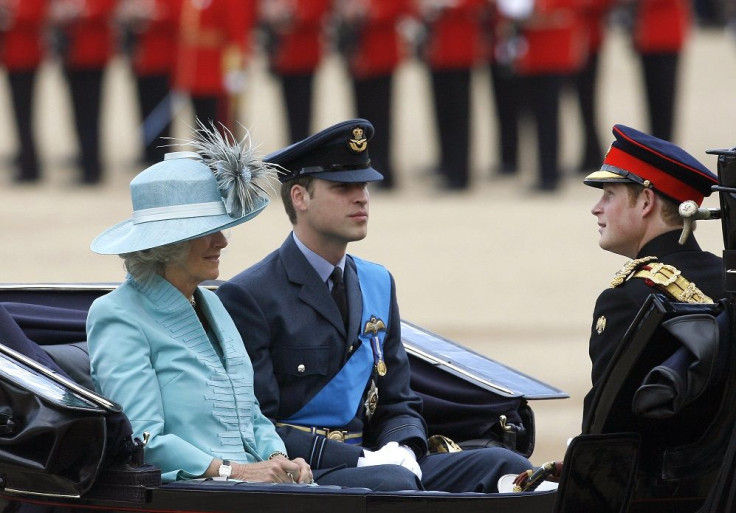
(628, 270)
(664, 277)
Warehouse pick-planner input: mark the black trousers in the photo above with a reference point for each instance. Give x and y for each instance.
(660, 81)
(373, 102)
(451, 94)
(585, 83)
(536, 96)
(154, 101)
(507, 99)
(85, 86)
(22, 85)
(543, 94)
(297, 91)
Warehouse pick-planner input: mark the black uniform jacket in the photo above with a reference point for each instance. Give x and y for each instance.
(619, 305)
(297, 341)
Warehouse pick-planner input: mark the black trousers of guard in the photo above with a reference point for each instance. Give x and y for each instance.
(451, 95)
(660, 81)
(585, 83)
(373, 102)
(507, 98)
(543, 94)
(297, 92)
(85, 86)
(22, 85)
(152, 93)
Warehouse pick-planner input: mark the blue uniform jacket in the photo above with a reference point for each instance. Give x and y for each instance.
(297, 342)
(150, 353)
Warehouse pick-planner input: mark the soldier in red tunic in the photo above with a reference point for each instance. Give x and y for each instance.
(552, 45)
(148, 34)
(83, 40)
(214, 40)
(585, 82)
(367, 34)
(453, 48)
(21, 53)
(661, 28)
(294, 32)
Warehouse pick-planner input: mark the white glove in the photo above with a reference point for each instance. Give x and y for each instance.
(391, 454)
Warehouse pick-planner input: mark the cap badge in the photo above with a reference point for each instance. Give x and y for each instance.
(358, 143)
(600, 324)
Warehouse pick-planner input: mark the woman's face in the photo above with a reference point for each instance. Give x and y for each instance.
(201, 263)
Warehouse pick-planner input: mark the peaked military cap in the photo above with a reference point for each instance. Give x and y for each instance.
(660, 165)
(338, 153)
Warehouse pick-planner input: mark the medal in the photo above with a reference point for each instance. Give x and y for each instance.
(381, 368)
(373, 326)
(371, 401)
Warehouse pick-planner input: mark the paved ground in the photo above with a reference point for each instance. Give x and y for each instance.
(511, 274)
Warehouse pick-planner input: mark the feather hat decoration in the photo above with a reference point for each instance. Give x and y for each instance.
(242, 177)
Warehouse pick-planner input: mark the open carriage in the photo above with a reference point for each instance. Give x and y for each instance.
(682, 458)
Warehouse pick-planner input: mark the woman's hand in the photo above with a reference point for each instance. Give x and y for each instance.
(277, 470)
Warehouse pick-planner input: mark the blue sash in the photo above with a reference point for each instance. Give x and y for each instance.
(339, 400)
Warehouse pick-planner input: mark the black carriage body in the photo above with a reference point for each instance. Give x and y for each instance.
(468, 397)
(465, 395)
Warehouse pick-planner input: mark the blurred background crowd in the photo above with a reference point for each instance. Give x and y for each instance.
(198, 53)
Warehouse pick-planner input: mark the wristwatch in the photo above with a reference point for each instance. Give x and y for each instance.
(225, 469)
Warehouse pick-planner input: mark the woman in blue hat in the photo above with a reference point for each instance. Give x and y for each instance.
(164, 347)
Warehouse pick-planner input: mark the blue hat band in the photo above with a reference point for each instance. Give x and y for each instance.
(212, 208)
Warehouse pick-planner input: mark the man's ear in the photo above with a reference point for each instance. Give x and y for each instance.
(647, 200)
(299, 197)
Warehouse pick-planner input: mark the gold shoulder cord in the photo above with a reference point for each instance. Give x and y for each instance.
(665, 277)
(628, 269)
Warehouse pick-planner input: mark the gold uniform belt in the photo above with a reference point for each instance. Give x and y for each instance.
(338, 435)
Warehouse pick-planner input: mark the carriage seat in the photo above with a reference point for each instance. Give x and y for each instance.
(73, 359)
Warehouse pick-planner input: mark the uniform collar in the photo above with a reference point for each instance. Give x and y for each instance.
(322, 266)
(668, 243)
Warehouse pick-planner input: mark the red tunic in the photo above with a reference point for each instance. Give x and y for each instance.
(21, 44)
(207, 29)
(90, 35)
(661, 26)
(300, 42)
(379, 48)
(155, 49)
(455, 39)
(556, 38)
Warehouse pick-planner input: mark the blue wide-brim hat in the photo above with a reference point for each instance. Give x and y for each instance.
(338, 153)
(173, 201)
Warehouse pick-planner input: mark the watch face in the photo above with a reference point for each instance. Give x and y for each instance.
(225, 469)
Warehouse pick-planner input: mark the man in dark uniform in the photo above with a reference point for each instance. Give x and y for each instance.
(330, 368)
(644, 180)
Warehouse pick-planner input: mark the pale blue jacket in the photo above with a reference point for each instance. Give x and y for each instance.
(150, 353)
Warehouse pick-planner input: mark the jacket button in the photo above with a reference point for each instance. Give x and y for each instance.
(300, 368)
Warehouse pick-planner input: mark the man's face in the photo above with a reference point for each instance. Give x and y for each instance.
(336, 212)
(620, 222)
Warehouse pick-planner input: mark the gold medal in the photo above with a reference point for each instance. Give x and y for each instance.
(381, 368)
